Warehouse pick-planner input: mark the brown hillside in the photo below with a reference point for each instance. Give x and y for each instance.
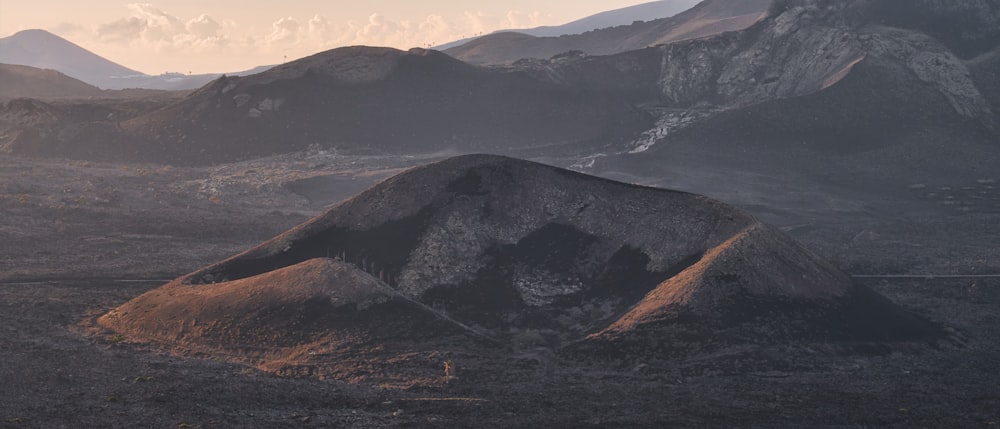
(29, 82)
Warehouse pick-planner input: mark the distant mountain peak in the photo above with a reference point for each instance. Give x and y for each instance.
(42, 49)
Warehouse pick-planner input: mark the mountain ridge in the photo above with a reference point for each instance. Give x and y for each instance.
(342, 99)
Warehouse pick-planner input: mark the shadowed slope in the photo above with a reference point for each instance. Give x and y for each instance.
(733, 296)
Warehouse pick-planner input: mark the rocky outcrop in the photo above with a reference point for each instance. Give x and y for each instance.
(807, 47)
(513, 254)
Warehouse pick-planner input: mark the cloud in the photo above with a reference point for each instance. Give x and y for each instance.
(518, 19)
(152, 27)
(70, 30)
(432, 30)
(284, 30)
(203, 27)
(203, 41)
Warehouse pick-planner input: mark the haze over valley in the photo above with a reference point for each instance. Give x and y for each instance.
(718, 213)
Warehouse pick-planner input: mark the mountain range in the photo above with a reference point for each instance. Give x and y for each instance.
(44, 50)
(356, 100)
(705, 19)
(884, 86)
(612, 18)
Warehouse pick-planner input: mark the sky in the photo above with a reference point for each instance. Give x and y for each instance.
(215, 36)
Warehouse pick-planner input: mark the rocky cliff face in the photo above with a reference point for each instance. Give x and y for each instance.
(806, 47)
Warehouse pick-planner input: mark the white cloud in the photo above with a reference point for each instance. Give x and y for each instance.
(206, 41)
(203, 26)
(518, 19)
(149, 27)
(284, 30)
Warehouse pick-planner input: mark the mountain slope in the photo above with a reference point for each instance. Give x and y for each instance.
(475, 250)
(707, 18)
(23, 81)
(612, 18)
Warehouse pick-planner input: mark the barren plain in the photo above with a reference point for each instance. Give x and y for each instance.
(80, 238)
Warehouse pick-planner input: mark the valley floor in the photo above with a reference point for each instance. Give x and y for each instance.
(56, 374)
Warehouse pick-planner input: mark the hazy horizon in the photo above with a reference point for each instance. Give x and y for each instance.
(188, 36)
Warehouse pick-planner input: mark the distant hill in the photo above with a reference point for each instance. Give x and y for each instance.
(708, 18)
(41, 49)
(612, 18)
(29, 82)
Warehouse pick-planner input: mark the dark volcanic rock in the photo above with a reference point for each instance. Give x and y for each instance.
(509, 253)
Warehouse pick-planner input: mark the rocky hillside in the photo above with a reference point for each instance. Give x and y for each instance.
(512, 255)
(708, 18)
(816, 93)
